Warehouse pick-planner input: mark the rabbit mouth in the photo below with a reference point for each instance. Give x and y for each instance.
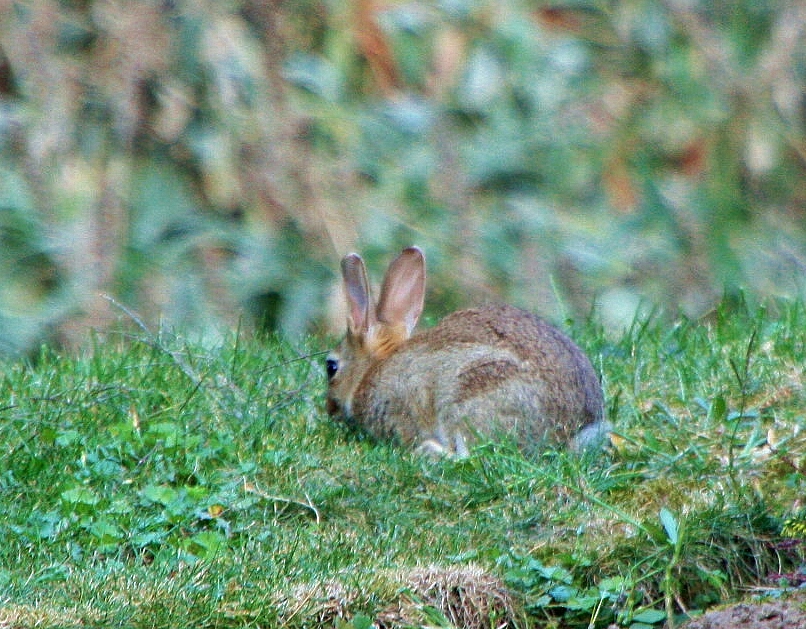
(338, 410)
(332, 407)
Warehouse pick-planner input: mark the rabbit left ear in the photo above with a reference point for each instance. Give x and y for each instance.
(403, 290)
(356, 286)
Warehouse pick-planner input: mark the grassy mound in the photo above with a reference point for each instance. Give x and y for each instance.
(151, 481)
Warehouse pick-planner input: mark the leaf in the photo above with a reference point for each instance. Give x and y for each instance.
(562, 593)
(162, 206)
(556, 573)
(612, 587)
(42, 525)
(106, 531)
(612, 584)
(68, 437)
(206, 544)
(161, 494)
(360, 621)
(650, 616)
(719, 409)
(483, 81)
(80, 496)
(167, 432)
(582, 603)
(315, 74)
(216, 510)
(670, 525)
(147, 538)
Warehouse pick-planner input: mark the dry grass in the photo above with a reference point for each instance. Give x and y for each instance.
(466, 596)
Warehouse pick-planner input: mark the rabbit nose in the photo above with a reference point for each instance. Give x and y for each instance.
(332, 406)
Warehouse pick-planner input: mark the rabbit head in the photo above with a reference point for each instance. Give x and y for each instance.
(374, 331)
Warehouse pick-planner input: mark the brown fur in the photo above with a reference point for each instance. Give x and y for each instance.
(483, 376)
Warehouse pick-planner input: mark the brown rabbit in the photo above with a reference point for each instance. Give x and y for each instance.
(483, 372)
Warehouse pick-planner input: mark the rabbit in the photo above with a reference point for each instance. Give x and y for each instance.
(480, 373)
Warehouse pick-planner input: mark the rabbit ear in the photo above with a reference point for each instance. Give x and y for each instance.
(356, 288)
(403, 290)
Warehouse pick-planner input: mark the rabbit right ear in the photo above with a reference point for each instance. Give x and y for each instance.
(356, 288)
(403, 290)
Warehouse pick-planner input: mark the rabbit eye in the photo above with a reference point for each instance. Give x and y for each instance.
(331, 366)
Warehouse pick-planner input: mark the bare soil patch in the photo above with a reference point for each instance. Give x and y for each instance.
(784, 613)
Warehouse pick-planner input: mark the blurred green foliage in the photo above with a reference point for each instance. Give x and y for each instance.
(198, 160)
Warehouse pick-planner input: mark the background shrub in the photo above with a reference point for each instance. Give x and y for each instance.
(201, 160)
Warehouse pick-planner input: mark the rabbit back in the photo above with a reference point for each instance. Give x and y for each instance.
(489, 371)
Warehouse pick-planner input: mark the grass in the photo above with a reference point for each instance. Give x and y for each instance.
(155, 482)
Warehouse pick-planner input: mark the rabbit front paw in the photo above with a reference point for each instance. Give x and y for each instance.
(434, 448)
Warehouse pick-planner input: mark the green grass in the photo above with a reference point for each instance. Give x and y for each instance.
(156, 482)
